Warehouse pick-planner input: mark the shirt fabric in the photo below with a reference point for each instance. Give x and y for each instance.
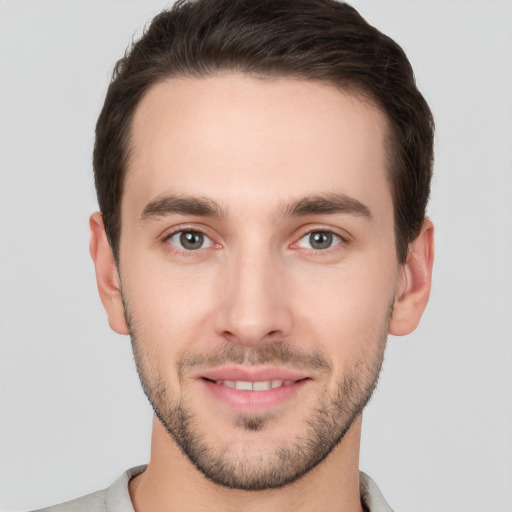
(116, 498)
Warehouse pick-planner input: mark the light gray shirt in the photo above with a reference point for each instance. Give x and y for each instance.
(116, 498)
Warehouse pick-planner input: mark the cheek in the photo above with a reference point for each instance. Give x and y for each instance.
(169, 315)
(169, 304)
(347, 309)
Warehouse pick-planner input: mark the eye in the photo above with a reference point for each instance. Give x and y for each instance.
(319, 240)
(190, 240)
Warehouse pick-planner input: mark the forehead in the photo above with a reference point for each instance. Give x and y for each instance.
(245, 140)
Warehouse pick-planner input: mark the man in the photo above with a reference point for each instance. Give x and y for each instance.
(262, 171)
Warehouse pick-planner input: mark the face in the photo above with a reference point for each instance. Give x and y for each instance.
(257, 268)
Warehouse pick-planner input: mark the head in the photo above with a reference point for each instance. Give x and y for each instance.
(314, 40)
(262, 171)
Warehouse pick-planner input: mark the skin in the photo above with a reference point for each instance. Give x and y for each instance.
(256, 148)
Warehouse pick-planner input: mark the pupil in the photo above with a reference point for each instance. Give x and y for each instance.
(191, 240)
(320, 240)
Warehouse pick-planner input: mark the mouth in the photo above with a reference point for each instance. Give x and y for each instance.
(247, 385)
(249, 390)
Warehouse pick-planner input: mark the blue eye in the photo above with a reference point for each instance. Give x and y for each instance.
(190, 240)
(319, 240)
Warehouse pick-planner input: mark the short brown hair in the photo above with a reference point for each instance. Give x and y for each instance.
(322, 40)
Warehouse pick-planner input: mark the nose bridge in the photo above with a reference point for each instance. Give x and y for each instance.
(254, 305)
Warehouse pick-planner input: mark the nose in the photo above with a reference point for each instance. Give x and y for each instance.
(254, 307)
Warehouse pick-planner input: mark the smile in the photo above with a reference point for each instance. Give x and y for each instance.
(265, 385)
(246, 390)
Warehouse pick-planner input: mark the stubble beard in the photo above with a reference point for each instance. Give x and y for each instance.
(326, 424)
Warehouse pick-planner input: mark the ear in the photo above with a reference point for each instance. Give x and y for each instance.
(107, 275)
(414, 283)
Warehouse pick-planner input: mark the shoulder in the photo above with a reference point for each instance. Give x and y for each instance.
(89, 503)
(115, 498)
(371, 497)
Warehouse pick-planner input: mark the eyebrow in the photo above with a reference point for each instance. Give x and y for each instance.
(326, 203)
(205, 207)
(182, 205)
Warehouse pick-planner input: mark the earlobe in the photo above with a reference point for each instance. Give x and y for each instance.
(413, 289)
(107, 275)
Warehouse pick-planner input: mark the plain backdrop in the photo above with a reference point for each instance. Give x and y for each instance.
(437, 435)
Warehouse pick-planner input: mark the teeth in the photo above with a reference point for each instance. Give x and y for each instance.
(265, 385)
(243, 385)
(261, 386)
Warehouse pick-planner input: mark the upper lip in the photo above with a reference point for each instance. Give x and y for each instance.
(251, 374)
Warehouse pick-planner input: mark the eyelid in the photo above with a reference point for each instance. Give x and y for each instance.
(199, 228)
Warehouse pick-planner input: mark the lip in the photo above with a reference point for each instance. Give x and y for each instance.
(253, 400)
(252, 374)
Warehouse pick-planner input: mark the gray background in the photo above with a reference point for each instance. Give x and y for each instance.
(437, 436)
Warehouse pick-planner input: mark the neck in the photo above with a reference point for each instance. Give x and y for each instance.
(172, 483)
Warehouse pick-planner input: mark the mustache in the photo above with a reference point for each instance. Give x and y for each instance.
(271, 352)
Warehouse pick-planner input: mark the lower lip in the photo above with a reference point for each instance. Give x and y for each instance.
(243, 400)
